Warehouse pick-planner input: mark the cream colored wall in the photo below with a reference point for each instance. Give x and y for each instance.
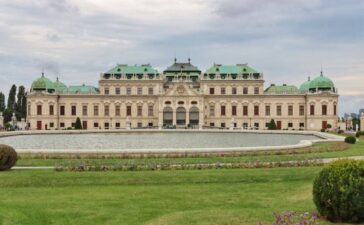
(362, 122)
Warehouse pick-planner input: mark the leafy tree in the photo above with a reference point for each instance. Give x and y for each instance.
(11, 98)
(78, 125)
(2, 102)
(272, 125)
(21, 106)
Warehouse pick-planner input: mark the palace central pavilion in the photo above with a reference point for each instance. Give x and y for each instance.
(182, 96)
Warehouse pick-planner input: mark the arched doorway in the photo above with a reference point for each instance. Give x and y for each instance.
(167, 116)
(194, 116)
(181, 116)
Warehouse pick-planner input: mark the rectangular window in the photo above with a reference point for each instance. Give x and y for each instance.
(212, 124)
(245, 125)
(107, 91)
(84, 110)
(128, 91)
(256, 126)
(150, 124)
(117, 110)
(150, 110)
(223, 110)
(290, 110)
(117, 91)
(96, 110)
(245, 110)
(223, 91)
(233, 91)
(128, 110)
(62, 110)
(290, 125)
(233, 110)
(223, 125)
(335, 110)
(106, 125)
(279, 110)
(51, 125)
(267, 110)
(29, 108)
(212, 110)
(51, 110)
(302, 110)
(140, 110)
(150, 91)
(39, 110)
(256, 110)
(117, 125)
(61, 125)
(302, 125)
(245, 91)
(96, 125)
(256, 91)
(212, 91)
(312, 110)
(324, 110)
(73, 110)
(140, 125)
(106, 110)
(140, 91)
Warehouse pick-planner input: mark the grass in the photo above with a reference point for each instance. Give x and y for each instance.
(318, 151)
(241, 196)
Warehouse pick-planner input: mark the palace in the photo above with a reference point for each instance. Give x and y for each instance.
(182, 96)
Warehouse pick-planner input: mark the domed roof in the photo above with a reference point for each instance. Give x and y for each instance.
(43, 83)
(321, 82)
(59, 86)
(306, 85)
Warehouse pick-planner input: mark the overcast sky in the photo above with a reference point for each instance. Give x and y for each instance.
(287, 40)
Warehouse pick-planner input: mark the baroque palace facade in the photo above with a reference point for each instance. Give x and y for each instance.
(224, 96)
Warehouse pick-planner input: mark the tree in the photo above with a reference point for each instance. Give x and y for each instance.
(21, 105)
(11, 98)
(272, 125)
(2, 102)
(78, 125)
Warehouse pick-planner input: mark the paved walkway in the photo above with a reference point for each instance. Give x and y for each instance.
(325, 161)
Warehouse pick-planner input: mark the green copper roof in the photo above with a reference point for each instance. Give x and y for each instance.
(321, 82)
(230, 69)
(83, 89)
(182, 67)
(305, 86)
(136, 69)
(59, 86)
(42, 83)
(283, 89)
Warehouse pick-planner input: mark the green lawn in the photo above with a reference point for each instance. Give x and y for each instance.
(325, 151)
(240, 196)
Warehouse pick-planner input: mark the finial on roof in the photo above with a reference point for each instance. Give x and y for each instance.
(322, 74)
(42, 74)
(189, 60)
(175, 59)
(57, 79)
(309, 78)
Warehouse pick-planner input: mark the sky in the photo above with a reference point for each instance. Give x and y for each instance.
(286, 40)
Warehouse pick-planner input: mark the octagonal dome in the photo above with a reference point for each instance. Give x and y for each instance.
(306, 85)
(43, 83)
(322, 83)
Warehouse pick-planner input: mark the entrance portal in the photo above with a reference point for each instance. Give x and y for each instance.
(181, 116)
(194, 116)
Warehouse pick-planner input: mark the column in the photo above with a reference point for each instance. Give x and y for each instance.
(187, 116)
(362, 122)
(174, 117)
(160, 119)
(201, 119)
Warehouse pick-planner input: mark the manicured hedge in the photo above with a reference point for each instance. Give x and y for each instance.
(350, 139)
(8, 157)
(338, 191)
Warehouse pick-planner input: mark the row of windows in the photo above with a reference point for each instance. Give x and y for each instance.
(268, 110)
(256, 125)
(233, 91)
(129, 91)
(97, 125)
(62, 110)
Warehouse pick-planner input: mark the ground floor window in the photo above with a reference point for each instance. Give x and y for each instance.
(302, 125)
(117, 125)
(51, 125)
(212, 124)
(245, 125)
(235, 125)
(290, 125)
(96, 125)
(140, 125)
(222, 125)
(266, 125)
(106, 125)
(256, 125)
(73, 124)
(150, 124)
(61, 125)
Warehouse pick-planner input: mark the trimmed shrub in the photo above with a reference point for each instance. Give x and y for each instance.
(8, 157)
(323, 130)
(340, 132)
(350, 139)
(78, 125)
(272, 125)
(329, 126)
(359, 133)
(338, 191)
